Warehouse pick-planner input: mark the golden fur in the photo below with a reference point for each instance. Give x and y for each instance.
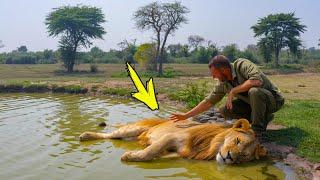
(226, 144)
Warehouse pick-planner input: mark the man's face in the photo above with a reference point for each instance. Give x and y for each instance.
(218, 73)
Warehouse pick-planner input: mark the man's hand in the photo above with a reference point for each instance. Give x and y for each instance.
(229, 99)
(178, 117)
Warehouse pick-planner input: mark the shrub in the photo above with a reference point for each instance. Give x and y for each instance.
(192, 95)
(36, 88)
(93, 68)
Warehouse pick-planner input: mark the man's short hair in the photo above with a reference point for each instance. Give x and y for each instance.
(219, 61)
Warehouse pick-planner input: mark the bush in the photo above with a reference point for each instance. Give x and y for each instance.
(73, 89)
(36, 88)
(192, 95)
(93, 68)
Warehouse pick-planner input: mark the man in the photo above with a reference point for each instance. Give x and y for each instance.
(257, 97)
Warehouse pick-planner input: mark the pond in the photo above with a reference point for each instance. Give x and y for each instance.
(39, 139)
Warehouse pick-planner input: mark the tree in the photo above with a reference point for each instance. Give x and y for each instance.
(278, 31)
(76, 26)
(128, 49)
(174, 49)
(195, 41)
(145, 55)
(230, 51)
(163, 19)
(22, 49)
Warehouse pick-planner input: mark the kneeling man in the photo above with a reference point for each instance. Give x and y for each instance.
(257, 97)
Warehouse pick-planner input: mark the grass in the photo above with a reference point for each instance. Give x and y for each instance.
(301, 117)
(118, 91)
(189, 83)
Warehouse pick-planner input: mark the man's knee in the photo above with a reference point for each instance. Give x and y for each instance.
(256, 93)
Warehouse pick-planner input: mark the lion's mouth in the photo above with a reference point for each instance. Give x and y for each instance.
(224, 160)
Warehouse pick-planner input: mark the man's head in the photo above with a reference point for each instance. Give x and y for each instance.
(220, 68)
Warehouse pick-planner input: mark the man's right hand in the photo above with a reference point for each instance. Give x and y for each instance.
(178, 117)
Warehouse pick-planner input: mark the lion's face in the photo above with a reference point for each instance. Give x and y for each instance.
(240, 145)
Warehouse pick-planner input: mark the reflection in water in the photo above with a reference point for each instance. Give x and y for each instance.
(38, 138)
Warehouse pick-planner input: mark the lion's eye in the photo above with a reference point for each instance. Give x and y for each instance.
(237, 141)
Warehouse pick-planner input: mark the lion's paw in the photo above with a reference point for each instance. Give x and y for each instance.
(86, 136)
(128, 156)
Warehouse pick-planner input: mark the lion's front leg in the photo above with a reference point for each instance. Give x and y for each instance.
(123, 132)
(152, 151)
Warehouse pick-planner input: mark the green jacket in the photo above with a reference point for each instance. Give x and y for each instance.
(242, 70)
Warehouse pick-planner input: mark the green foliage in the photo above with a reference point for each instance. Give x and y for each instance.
(36, 87)
(193, 94)
(146, 56)
(231, 52)
(301, 119)
(279, 31)
(128, 49)
(195, 41)
(22, 49)
(117, 91)
(72, 89)
(76, 26)
(93, 68)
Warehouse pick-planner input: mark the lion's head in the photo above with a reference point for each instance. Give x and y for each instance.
(240, 145)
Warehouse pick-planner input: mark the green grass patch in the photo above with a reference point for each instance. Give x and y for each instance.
(301, 117)
(192, 94)
(72, 89)
(168, 72)
(283, 69)
(117, 91)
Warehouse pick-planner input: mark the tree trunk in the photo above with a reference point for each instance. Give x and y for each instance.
(155, 66)
(276, 61)
(162, 52)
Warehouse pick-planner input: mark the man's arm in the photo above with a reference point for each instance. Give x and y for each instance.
(241, 88)
(201, 107)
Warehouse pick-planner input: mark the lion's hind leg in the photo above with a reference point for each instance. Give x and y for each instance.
(128, 131)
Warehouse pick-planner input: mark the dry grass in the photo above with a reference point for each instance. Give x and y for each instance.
(293, 86)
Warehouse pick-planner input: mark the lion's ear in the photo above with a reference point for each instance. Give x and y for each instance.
(260, 151)
(242, 124)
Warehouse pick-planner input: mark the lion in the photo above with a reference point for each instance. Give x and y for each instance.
(227, 144)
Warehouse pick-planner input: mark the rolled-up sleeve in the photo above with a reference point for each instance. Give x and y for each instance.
(250, 71)
(217, 93)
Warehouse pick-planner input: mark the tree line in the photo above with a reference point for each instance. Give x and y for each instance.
(76, 26)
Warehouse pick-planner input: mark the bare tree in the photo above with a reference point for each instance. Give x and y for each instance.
(195, 41)
(163, 19)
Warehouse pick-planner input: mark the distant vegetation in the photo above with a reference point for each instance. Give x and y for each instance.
(279, 41)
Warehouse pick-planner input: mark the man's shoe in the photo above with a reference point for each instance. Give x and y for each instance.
(261, 137)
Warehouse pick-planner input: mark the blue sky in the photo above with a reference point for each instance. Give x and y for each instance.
(221, 21)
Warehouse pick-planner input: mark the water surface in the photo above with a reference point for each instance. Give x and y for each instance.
(39, 140)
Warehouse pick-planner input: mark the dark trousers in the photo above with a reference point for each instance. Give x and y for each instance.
(257, 107)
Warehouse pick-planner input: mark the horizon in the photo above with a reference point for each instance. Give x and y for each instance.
(25, 26)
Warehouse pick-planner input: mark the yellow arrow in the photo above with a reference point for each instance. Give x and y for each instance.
(147, 96)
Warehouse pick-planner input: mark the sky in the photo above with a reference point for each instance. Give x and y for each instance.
(221, 21)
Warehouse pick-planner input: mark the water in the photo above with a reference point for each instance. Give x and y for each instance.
(38, 140)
